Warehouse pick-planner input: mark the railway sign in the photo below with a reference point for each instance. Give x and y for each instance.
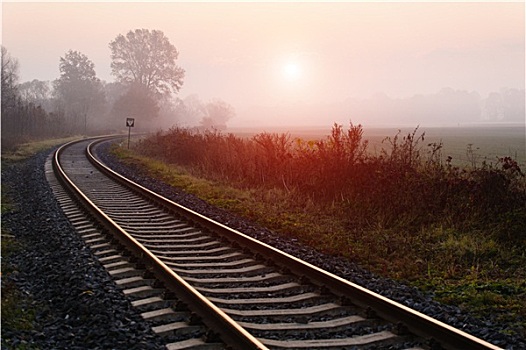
(130, 123)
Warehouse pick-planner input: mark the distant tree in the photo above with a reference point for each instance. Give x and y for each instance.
(113, 91)
(513, 101)
(37, 92)
(190, 110)
(217, 114)
(138, 103)
(9, 80)
(78, 90)
(147, 58)
(22, 120)
(493, 107)
(167, 116)
(214, 114)
(12, 127)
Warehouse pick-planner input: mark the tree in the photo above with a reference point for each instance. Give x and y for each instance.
(146, 58)
(37, 92)
(78, 89)
(214, 114)
(137, 102)
(22, 120)
(12, 128)
(190, 110)
(9, 80)
(513, 103)
(114, 91)
(217, 114)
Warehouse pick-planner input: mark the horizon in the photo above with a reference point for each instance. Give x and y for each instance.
(293, 62)
(268, 54)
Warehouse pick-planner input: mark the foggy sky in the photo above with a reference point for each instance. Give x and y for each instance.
(237, 51)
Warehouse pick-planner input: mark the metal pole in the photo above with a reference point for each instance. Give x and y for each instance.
(129, 131)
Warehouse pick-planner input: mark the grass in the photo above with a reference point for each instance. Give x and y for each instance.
(18, 310)
(463, 260)
(15, 315)
(26, 150)
(500, 298)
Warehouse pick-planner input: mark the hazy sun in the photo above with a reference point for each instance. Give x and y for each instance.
(291, 71)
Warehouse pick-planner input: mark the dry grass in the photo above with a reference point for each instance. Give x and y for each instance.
(27, 149)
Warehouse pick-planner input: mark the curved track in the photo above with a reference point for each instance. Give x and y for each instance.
(244, 293)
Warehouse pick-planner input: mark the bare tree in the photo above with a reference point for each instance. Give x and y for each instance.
(146, 58)
(37, 92)
(9, 80)
(22, 120)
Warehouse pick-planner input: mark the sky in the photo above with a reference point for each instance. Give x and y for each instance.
(280, 60)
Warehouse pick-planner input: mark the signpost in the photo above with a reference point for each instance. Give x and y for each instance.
(130, 122)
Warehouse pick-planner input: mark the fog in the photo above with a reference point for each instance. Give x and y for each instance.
(282, 64)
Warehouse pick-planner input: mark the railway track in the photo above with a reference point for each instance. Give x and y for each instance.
(203, 285)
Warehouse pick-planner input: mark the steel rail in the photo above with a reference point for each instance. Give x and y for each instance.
(415, 322)
(230, 331)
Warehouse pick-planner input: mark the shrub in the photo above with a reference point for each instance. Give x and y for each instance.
(406, 185)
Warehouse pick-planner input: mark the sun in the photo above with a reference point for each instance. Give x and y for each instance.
(291, 71)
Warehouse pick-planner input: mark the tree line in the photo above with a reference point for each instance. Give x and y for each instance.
(147, 79)
(447, 106)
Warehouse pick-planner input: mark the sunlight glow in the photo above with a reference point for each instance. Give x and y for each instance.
(292, 71)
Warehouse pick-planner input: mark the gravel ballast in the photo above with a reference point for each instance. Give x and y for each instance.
(79, 307)
(76, 304)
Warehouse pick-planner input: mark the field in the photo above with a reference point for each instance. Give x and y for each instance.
(487, 141)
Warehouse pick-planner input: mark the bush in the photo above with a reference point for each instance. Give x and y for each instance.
(406, 185)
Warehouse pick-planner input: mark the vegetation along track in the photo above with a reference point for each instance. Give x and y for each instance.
(204, 285)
